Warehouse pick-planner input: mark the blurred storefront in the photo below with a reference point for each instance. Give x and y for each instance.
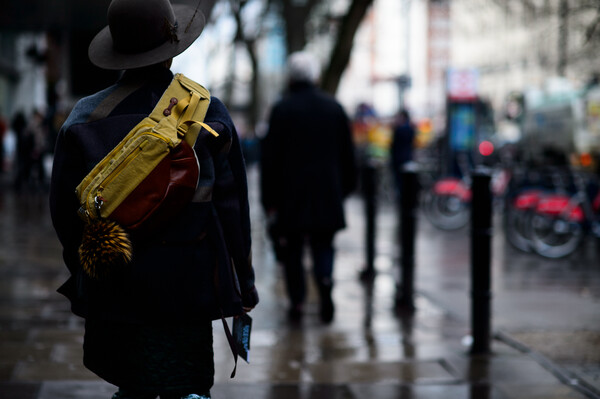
(43, 49)
(44, 65)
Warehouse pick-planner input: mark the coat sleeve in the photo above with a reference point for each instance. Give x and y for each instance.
(230, 197)
(67, 171)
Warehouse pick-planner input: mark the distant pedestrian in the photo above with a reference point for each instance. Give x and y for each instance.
(35, 139)
(401, 151)
(308, 169)
(18, 124)
(3, 130)
(148, 325)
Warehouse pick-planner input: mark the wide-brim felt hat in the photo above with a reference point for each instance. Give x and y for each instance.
(144, 32)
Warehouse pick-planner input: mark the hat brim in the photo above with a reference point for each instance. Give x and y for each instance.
(101, 51)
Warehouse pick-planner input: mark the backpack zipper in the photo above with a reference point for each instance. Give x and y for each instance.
(122, 166)
(117, 171)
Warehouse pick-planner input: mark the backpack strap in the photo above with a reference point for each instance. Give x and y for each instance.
(232, 345)
(107, 105)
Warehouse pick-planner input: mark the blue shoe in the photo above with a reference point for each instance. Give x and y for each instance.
(194, 396)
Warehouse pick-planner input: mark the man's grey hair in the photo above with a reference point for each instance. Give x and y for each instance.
(303, 67)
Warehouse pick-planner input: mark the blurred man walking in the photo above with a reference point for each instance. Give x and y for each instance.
(308, 168)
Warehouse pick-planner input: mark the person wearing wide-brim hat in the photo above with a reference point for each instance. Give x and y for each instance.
(148, 327)
(144, 32)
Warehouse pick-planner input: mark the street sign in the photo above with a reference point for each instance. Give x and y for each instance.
(404, 81)
(462, 84)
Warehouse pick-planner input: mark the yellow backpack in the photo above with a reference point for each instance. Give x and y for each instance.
(150, 174)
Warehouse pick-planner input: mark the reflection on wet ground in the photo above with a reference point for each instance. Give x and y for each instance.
(368, 351)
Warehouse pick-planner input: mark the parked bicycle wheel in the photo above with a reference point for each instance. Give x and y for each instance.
(555, 231)
(447, 204)
(517, 218)
(516, 228)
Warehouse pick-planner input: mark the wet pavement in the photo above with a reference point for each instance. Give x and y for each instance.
(546, 319)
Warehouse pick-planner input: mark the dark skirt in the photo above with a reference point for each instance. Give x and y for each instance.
(151, 358)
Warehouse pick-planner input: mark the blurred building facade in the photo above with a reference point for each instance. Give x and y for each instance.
(43, 49)
(42, 44)
(521, 44)
(400, 57)
(521, 54)
(538, 64)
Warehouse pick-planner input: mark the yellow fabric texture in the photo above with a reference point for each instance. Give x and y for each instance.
(126, 166)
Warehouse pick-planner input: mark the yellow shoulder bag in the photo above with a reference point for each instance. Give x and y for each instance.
(151, 174)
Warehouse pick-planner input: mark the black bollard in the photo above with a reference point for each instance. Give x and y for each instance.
(369, 186)
(481, 235)
(408, 226)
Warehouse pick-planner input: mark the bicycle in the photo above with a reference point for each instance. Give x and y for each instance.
(526, 189)
(446, 202)
(560, 221)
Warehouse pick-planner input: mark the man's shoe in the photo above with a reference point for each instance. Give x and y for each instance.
(367, 275)
(327, 308)
(295, 313)
(327, 311)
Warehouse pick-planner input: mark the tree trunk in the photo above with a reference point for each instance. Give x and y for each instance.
(340, 55)
(249, 44)
(563, 37)
(295, 15)
(227, 96)
(255, 94)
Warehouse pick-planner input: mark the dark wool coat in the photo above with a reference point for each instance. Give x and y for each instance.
(401, 149)
(184, 272)
(307, 161)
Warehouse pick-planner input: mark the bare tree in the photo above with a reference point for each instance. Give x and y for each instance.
(574, 24)
(563, 37)
(342, 48)
(296, 14)
(249, 39)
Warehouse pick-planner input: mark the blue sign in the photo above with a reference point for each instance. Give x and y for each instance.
(462, 127)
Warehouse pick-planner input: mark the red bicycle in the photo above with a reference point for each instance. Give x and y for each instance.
(447, 203)
(560, 221)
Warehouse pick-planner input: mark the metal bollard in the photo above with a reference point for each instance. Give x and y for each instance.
(408, 227)
(481, 235)
(369, 183)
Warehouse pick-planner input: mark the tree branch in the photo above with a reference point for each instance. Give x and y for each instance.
(340, 55)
